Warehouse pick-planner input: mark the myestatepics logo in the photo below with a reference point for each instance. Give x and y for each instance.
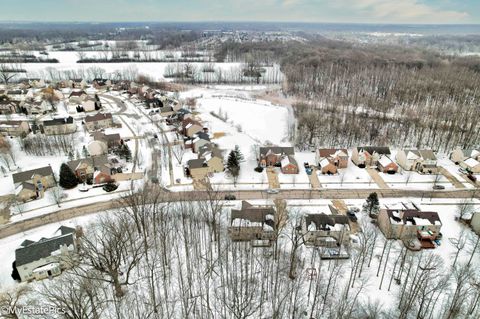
(31, 310)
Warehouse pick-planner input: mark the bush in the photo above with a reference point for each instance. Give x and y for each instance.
(258, 169)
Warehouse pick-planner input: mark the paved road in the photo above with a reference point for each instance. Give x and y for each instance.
(64, 214)
(376, 178)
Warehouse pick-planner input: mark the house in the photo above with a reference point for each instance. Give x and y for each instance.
(253, 223)
(330, 232)
(97, 169)
(98, 121)
(200, 139)
(475, 222)
(386, 165)
(7, 106)
(367, 156)
(190, 127)
(288, 165)
(410, 225)
(35, 106)
(471, 165)
(337, 157)
(327, 167)
(273, 155)
(422, 161)
(101, 84)
(47, 257)
(33, 183)
(77, 97)
(213, 157)
(90, 104)
(14, 128)
(197, 168)
(59, 126)
(111, 140)
(458, 155)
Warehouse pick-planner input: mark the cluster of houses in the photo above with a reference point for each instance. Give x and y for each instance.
(331, 232)
(259, 226)
(278, 156)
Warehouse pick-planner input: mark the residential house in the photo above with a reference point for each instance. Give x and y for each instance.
(197, 168)
(288, 165)
(422, 161)
(471, 165)
(386, 165)
(459, 155)
(329, 232)
(35, 106)
(101, 84)
(47, 257)
(77, 97)
(337, 157)
(253, 223)
(33, 183)
(410, 225)
(273, 155)
(59, 126)
(98, 121)
(213, 157)
(97, 169)
(368, 156)
(200, 139)
(14, 128)
(190, 127)
(112, 140)
(330, 160)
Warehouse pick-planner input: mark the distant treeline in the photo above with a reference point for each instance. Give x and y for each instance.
(352, 94)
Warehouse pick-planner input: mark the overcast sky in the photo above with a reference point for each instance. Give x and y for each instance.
(363, 11)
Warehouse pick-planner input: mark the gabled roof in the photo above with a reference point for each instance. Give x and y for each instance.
(322, 221)
(412, 216)
(27, 175)
(77, 93)
(326, 152)
(471, 162)
(98, 117)
(375, 149)
(58, 121)
(94, 161)
(285, 150)
(196, 163)
(252, 213)
(44, 247)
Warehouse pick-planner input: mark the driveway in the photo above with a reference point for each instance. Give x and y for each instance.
(314, 181)
(272, 176)
(377, 178)
(452, 179)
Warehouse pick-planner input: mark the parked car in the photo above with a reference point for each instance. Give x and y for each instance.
(462, 170)
(110, 187)
(230, 197)
(437, 187)
(354, 209)
(272, 191)
(472, 177)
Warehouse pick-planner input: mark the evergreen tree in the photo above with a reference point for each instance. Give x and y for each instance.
(372, 205)
(68, 179)
(126, 153)
(239, 154)
(233, 166)
(84, 151)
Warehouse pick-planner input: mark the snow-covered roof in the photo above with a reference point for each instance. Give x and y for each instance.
(324, 162)
(384, 161)
(471, 162)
